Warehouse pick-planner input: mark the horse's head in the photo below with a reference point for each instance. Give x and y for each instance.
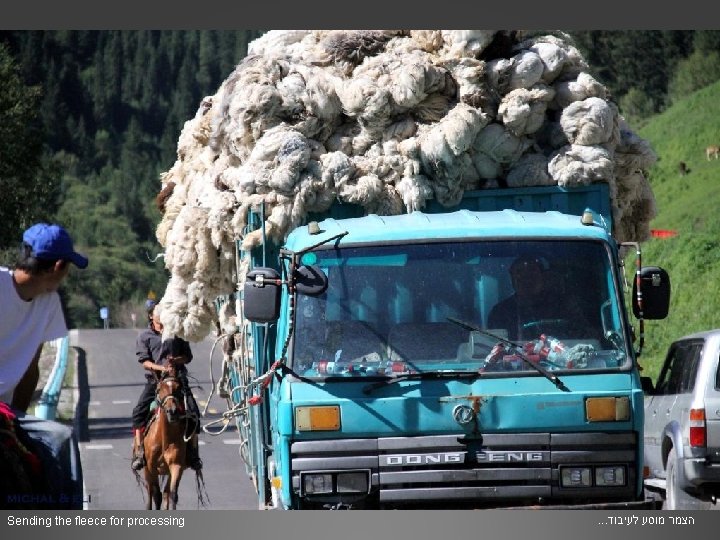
(169, 396)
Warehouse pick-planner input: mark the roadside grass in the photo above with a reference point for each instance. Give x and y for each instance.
(689, 205)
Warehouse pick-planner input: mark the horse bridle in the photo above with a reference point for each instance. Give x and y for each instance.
(171, 395)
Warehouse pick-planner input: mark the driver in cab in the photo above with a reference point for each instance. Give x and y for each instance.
(532, 301)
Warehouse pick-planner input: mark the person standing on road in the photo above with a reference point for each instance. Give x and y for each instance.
(155, 355)
(30, 315)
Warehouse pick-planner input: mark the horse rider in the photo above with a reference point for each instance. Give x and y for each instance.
(156, 356)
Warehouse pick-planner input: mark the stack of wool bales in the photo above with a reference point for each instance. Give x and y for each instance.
(387, 120)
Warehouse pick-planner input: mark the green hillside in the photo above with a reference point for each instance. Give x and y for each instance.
(690, 205)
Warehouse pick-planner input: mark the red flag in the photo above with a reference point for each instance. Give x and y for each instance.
(662, 233)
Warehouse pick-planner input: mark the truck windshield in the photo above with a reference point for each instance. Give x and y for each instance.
(391, 310)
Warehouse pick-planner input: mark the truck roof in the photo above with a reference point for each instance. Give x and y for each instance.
(462, 224)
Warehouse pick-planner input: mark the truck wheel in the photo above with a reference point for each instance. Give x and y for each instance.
(675, 497)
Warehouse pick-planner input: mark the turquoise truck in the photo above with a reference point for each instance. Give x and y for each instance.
(368, 373)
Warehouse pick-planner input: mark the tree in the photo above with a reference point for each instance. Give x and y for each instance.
(27, 187)
(707, 40)
(638, 59)
(693, 73)
(637, 107)
(112, 107)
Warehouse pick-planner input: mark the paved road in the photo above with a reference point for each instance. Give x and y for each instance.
(109, 384)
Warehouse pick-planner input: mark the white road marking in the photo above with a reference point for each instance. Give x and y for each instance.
(121, 401)
(98, 446)
(94, 403)
(232, 441)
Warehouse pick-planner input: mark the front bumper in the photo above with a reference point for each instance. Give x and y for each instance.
(497, 471)
(647, 504)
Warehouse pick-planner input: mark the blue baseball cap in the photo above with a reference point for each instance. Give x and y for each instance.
(52, 242)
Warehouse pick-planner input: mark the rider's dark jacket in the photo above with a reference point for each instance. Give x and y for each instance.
(151, 346)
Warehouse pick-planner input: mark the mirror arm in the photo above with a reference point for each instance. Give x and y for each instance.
(638, 294)
(291, 277)
(291, 306)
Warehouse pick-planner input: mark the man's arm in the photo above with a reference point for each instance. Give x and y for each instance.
(150, 365)
(26, 387)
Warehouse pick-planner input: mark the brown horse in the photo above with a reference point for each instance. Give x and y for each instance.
(165, 445)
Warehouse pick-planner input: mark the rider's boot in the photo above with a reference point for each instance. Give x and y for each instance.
(193, 454)
(138, 459)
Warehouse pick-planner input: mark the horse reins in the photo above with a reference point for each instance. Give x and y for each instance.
(173, 396)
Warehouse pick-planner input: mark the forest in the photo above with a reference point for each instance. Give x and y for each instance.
(90, 119)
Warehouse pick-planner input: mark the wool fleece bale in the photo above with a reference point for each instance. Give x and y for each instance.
(461, 43)
(387, 120)
(553, 58)
(578, 89)
(530, 170)
(589, 122)
(527, 70)
(523, 110)
(579, 165)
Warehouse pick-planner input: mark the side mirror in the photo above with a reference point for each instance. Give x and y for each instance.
(655, 288)
(310, 280)
(647, 385)
(261, 295)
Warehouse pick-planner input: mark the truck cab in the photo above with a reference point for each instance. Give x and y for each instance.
(385, 378)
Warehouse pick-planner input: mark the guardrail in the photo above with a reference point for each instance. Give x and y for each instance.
(46, 407)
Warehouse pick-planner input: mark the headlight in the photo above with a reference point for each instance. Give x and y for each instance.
(576, 477)
(355, 482)
(323, 483)
(610, 476)
(317, 483)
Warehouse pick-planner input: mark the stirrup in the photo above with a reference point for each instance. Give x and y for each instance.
(138, 462)
(192, 457)
(138, 458)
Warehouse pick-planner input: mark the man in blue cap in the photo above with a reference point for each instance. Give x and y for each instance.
(30, 315)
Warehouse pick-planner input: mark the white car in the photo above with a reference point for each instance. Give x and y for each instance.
(682, 424)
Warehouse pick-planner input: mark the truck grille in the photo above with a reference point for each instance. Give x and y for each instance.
(491, 467)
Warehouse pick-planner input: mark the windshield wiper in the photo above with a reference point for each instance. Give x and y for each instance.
(614, 338)
(421, 375)
(518, 350)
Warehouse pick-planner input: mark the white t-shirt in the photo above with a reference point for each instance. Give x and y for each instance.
(24, 326)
